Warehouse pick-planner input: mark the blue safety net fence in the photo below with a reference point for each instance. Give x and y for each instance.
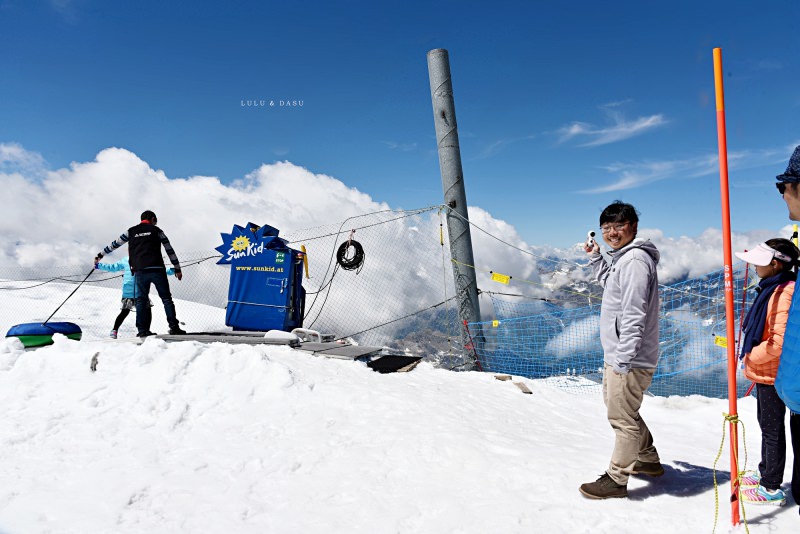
(540, 340)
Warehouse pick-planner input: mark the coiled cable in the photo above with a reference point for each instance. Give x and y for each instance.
(347, 261)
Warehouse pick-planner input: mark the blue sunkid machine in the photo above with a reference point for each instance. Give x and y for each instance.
(266, 282)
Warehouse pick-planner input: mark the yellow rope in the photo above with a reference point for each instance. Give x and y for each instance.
(733, 419)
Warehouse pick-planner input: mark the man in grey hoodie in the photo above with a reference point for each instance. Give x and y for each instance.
(629, 335)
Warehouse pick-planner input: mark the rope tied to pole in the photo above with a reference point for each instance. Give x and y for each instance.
(736, 496)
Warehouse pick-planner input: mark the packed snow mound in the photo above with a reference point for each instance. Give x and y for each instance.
(188, 437)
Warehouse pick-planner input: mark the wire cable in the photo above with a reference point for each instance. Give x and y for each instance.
(455, 213)
(408, 213)
(397, 319)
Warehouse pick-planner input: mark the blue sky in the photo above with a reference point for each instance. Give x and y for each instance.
(562, 106)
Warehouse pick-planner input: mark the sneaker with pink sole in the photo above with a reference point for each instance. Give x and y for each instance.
(761, 495)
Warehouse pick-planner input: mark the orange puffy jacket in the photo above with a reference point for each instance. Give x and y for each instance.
(761, 364)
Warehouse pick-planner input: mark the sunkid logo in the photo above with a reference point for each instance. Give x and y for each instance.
(252, 241)
(251, 249)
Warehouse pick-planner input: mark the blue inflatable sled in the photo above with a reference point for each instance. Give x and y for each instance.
(40, 334)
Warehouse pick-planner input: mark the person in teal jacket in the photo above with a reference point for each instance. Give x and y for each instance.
(128, 289)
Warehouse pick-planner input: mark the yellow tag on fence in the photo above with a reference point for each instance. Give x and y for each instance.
(502, 278)
(721, 341)
(495, 323)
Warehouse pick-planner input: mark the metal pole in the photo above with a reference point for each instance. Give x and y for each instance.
(455, 197)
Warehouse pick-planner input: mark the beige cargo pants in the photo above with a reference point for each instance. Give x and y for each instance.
(623, 396)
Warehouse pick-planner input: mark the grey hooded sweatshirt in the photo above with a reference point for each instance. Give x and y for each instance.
(629, 313)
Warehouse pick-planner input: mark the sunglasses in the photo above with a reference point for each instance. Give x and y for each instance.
(781, 187)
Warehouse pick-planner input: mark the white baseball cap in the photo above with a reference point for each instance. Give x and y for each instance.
(762, 255)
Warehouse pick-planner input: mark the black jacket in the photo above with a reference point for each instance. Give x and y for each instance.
(144, 246)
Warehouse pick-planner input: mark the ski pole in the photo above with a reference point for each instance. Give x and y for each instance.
(66, 299)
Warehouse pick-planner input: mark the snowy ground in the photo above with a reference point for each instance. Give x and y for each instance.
(189, 438)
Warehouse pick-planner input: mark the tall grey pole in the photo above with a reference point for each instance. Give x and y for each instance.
(455, 197)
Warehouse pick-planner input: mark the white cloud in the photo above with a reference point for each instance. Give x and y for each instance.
(78, 210)
(620, 128)
(537, 271)
(492, 255)
(14, 158)
(499, 145)
(632, 175)
(578, 336)
(689, 257)
(61, 221)
(636, 174)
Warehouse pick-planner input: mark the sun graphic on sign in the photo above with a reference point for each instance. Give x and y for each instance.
(240, 243)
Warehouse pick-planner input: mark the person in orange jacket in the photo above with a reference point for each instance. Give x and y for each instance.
(763, 329)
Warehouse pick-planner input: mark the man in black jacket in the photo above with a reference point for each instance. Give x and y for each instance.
(147, 265)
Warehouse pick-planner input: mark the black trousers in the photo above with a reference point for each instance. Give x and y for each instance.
(771, 419)
(143, 279)
(121, 317)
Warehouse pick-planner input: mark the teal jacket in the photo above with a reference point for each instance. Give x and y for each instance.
(127, 275)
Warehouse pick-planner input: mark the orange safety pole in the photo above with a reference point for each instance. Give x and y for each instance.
(729, 308)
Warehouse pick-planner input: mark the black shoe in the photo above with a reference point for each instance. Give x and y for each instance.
(145, 334)
(177, 331)
(604, 488)
(651, 469)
